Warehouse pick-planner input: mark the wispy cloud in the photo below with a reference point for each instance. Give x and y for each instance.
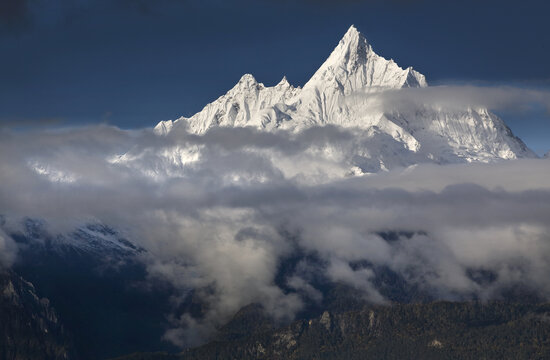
(461, 97)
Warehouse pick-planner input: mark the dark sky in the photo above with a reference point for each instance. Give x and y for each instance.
(132, 63)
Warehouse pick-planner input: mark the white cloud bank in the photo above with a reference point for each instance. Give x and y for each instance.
(218, 213)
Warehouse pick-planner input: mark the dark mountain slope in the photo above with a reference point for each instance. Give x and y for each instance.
(441, 330)
(29, 326)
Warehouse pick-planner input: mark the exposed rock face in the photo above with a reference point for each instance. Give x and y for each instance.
(29, 327)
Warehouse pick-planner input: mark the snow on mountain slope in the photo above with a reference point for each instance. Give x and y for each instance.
(472, 135)
(241, 106)
(95, 240)
(351, 67)
(354, 65)
(345, 92)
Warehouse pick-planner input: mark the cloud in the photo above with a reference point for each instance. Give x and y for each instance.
(25, 122)
(460, 97)
(219, 214)
(8, 250)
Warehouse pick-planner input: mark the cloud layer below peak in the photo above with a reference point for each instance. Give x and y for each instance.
(219, 213)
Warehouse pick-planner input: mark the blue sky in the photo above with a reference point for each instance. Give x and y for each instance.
(132, 63)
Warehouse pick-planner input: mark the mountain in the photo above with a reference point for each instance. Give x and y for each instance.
(353, 90)
(29, 326)
(359, 111)
(97, 282)
(440, 330)
(91, 240)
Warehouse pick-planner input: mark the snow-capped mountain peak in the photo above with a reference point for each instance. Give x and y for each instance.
(240, 106)
(247, 82)
(283, 83)
(342, 93)
(352, 51)
(354, 65)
